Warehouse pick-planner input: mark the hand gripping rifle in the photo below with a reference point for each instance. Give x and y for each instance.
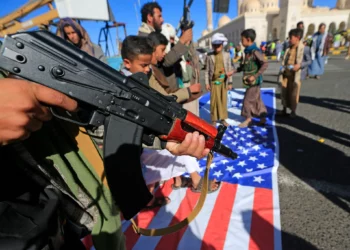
(130, 110)
(185, 22)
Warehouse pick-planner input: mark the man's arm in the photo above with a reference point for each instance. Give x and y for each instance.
(175, 54)
(284, 57)
(208, 65)
(181, 94)
(307, 58)
(179, 49)
(262, 62)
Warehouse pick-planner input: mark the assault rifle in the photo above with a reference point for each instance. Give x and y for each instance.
(130, 110)
(185, 22)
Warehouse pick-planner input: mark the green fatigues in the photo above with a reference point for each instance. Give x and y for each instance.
(55, 150)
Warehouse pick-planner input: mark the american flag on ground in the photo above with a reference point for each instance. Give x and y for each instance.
(244, 213)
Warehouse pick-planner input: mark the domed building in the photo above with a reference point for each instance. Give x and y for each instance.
(273, 19)
(252, 6)
(343, 4)
(223, 21)
(269, 5)
(205, 32)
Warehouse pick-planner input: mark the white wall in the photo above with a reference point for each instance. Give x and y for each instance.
(259, 23)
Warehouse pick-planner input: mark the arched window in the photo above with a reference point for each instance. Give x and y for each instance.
(310, 30)
(342, 26)
(274, 34)
(332, 28)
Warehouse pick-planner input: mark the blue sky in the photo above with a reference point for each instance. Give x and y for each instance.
(124, 11)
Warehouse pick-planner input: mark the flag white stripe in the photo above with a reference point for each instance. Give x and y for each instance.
(238, 234)
(276, 202)
(192, 238)
(162, 219)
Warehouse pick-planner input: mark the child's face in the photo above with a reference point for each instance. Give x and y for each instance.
(294, 40)
(217, 47)
(246, 42)
(158, 54)
(140, 64)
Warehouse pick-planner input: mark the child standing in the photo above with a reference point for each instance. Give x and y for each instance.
(218, 79)
(252, 66)
(291, 77)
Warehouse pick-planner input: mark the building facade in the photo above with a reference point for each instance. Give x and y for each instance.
(272, 19)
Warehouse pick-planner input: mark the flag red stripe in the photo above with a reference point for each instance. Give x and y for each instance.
(143, 219)
(215, 234)
(87, 241)
(171, 241)
(262, 230)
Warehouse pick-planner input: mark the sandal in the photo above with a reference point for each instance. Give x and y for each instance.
(185, 183)
(158, 202)
(281, 113)
(293, 115)
(198, 189)
(223, 122)
(245, 124)
(262, 122)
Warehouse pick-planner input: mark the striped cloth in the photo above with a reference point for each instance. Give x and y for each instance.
(244, 214)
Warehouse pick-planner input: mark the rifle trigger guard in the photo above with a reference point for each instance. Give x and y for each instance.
(55, 114)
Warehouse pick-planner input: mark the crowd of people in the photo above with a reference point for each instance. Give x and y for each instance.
(56, 195)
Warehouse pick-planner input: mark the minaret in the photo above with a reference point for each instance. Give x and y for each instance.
(290, 14)
(209, 15)
(239, 5)
(341, 4)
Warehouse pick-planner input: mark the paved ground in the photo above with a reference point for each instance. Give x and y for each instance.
(314, 177)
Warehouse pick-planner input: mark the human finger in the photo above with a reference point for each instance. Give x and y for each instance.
(52, 97)
(192, 146)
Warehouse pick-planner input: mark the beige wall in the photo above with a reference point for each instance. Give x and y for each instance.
(259, 24)
(291, 12)
(335, 16)
(232, 31)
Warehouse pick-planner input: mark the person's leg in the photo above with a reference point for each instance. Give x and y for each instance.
(246, 109)
(261, 110)
(156, 201)
(222, 105)
(214, 100)
(295, 98)
(284, 95)
(348, 56)
(321, 62)
(151, 190)
(196, 179)
(246, 122)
